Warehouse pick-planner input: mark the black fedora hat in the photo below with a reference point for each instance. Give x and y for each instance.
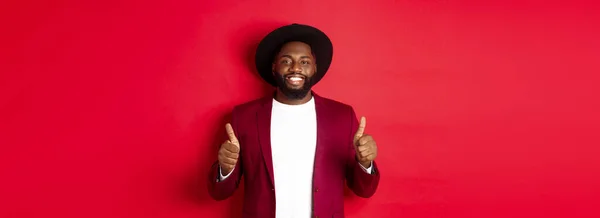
(320, 45)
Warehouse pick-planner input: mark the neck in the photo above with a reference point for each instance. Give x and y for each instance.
(280, 97)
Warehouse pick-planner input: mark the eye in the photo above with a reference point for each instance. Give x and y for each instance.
(305, 62)
(285, 61)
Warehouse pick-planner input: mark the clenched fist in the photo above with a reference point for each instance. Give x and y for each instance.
(229, 151)
(366, 148)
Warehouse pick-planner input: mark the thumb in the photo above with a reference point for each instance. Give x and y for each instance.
(361, 128)
(231, 135)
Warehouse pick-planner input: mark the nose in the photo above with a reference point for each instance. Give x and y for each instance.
(296, 67)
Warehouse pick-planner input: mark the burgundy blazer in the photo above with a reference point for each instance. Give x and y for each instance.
(335, 160)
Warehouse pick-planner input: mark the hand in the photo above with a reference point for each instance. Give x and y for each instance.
(366, 148)
(229, 151)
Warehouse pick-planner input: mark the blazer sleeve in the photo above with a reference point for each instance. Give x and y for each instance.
(223, 189)
(358, 180)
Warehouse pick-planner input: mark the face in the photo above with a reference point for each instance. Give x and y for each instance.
(293, 69)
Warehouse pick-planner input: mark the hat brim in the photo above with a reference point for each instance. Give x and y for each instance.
(320, 45)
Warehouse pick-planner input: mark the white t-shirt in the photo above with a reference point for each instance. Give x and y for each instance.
(293, 142)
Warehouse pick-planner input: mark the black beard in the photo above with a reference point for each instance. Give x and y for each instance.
(290, 93)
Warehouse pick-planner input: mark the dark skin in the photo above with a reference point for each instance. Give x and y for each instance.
(295, 59)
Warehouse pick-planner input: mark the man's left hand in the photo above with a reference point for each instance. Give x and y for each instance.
(366, 148)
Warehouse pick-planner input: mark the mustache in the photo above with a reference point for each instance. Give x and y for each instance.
(293, 74)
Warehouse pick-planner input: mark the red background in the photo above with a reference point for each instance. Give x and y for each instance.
(112, 108)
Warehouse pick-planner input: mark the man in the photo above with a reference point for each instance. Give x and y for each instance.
(295, 148)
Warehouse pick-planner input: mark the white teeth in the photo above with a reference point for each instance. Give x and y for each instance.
(295, 78)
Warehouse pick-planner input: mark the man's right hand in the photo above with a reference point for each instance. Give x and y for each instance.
(229, 151)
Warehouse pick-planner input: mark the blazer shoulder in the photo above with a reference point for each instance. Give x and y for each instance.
(251, 106)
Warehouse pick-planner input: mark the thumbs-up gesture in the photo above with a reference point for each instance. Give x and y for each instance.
(366, 149)
(229, 151)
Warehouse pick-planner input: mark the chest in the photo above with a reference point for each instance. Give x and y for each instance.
(293, 136)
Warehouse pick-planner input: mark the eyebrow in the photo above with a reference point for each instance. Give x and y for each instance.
(289, 56)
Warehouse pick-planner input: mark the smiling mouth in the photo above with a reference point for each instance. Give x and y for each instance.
(295, 79)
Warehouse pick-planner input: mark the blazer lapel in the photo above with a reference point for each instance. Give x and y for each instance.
(320, 111)
(263, 118)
